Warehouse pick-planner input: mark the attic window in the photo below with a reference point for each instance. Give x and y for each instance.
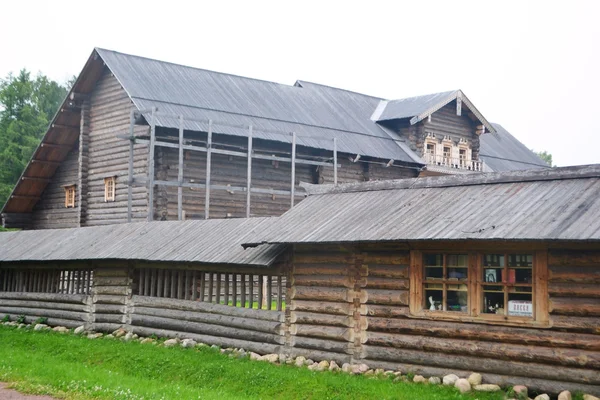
(70, 196)
(109, 188)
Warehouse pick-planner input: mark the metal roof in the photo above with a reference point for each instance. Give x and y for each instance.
(553, 204)
(216, 241)
(274, 110)
(503, 152)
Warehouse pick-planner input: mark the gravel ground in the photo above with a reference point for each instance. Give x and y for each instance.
(9, 394)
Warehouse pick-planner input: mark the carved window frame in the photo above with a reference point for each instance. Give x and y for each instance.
(110, 188)
(418, 307)
(70, 194)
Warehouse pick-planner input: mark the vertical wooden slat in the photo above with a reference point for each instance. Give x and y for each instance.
(279, 293)
(234, 278)
(153, 282)
(261, 279)
(202, 285)
(210, 287)
(227, 276)
(249, 172)
(130, 168)
(173, 284)
(194, 286)
(141, 282)
(159, 282)
(167, 276)
(335, 174)
(151, 165)
(251, 291)
(269, 292)
(218, 299)
(187, 290)
(243, 290)
(146, 282)
(69, 278)
(208, 164)
(180, 172)
(180, 284)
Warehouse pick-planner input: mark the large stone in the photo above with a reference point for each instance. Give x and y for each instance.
(450, 379)
(94, 335)
(362, 368)
(254, 356)
(314, 367)
(119, 332)
(419, 379)
(188, 343)
(434, 380)
(170, 342)
(564, 395)
(333, 366)
(544, 397)
(272, 358)
(474, 379)
(590, 397)
(60, 329)
(129, 336)
(147, 340)
(346, 367)
(300, 361)
(462, 385)
(40, 327)
(487, 387)
(521, 390)
(324, 365)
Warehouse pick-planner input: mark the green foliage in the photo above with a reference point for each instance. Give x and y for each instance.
(547, 157)
(6, 318)
(26, 107)
(41, 320)
(21, 319)
(69, 366)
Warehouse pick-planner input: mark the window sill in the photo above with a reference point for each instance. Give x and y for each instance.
(487, 319)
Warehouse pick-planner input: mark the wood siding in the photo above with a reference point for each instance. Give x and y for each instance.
(50, 211)
(109, 156)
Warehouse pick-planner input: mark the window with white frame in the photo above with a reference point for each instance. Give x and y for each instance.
(109, 188)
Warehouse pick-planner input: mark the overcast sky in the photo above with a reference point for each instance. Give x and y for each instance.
(533, 67)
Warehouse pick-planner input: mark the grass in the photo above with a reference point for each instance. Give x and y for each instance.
(255, 305)
(73, 367)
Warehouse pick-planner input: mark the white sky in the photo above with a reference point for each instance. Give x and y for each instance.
(533, 66)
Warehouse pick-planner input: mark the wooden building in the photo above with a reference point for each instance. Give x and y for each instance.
(139, 139)
(494, 273)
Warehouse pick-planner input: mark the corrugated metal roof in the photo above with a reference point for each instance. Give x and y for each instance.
(216, 241)
(234, 102)
(503, 152)
(557, 204)
(413, 106)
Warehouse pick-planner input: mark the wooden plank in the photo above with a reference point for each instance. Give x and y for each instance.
(261, 279)
(279, 293)
(173, 293)
(180, 172)
(293, 186)
(211, 278)
(234, 289)
(194, 285)
(227, 276)
(208, 166)
(218, 294)
(243, 290)
(269, 292)
(186, 289)
(249, 172)
(151, 166)
(202, 285)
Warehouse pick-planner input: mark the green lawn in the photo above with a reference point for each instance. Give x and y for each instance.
(74, 367)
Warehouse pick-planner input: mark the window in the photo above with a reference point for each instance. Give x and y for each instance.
(488, 286)
(109, 188)
(462, 157)
(70, 196)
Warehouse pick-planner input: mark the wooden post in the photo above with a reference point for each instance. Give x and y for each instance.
(293, 168)
(208, 157)
(335, 161)
(180, 172)
(130, 176)
(234, 289)
(151, 166)
(218, 294)
(202, 285)
(243, 289)
(261, 291)
(269, 292)
(249, 176)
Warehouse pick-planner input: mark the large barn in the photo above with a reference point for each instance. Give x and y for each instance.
(139, 139)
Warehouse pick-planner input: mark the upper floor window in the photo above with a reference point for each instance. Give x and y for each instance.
(487, 286)
(70, 196)
(109, 188)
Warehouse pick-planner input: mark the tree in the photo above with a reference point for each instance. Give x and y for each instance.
(544, 155)
(26, 107)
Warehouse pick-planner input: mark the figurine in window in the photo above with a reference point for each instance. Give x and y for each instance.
(432, 306)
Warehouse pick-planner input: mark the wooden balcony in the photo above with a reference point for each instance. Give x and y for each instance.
(454, 163)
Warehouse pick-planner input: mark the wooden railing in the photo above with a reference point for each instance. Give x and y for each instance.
(260, 291)
(78, 281)
(452, 162)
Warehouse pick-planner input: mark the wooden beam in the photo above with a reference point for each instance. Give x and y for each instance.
(23, 197)
(35, 179)
(130, 168)
(57, 146)
(180, 172)
(249, 172)
(208, 164)
(53, 163)
(293, 188)
(151, 166)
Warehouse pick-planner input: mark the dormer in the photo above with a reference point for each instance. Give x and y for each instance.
(442, 128)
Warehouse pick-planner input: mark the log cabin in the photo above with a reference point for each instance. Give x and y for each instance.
(496, 273)
(139, 139)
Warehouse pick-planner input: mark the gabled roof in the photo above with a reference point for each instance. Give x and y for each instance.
(233, 102)
(549, 204)
(215, 241)
(420, 107)
(503, 152)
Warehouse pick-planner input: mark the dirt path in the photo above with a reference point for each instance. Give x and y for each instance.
(9, 394)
